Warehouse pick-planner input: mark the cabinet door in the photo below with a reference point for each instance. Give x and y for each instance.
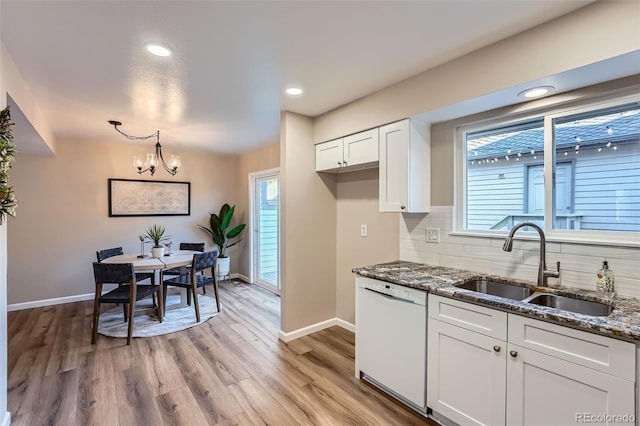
(361, 148)
(394, 167)
(329, 155)
(544, 390)
(466, 375)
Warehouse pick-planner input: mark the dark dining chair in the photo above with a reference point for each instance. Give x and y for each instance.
(140, 276)
(185, 246)
(127, 293)
(195, 279)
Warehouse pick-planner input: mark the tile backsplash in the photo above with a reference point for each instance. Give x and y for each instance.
(579, 262)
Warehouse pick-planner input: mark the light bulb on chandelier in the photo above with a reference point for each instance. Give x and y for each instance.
(151, 161)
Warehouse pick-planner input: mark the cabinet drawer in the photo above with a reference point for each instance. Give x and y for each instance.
(467, 315)
(601, 353)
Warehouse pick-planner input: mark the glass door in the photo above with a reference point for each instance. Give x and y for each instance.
(266, 229)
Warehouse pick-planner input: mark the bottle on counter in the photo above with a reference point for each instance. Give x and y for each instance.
(605, 280)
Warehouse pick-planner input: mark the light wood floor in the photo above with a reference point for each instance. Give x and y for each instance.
(232, 370)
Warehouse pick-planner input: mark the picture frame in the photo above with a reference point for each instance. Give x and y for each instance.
(135, 197)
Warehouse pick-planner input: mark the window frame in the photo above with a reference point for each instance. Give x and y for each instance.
(548, 114)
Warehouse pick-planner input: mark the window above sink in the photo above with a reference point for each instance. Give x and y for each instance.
(573, 170)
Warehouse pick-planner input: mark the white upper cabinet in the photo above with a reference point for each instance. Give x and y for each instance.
(359, 151)
(329, 155)
(405, 167)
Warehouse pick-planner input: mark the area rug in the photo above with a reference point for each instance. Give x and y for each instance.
(112, 322)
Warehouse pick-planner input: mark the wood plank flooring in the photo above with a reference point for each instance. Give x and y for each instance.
(231, 370)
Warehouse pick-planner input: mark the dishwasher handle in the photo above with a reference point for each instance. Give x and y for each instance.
(388, 296)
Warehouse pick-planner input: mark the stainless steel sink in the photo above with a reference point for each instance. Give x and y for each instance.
(570, 304)
(494, 288)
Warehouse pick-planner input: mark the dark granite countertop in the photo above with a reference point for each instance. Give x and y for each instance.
(623, 323)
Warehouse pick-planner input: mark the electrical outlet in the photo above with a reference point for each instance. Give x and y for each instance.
(363, 230)
(432, 235)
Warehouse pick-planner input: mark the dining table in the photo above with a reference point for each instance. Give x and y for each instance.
(177, 259)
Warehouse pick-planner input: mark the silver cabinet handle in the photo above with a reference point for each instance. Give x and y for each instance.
(513, 353)
(496, 348)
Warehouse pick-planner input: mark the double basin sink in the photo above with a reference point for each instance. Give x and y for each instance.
(514, 292)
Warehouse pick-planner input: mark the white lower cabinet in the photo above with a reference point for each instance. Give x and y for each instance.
(543, 374)
(544, 390)
(465, 375)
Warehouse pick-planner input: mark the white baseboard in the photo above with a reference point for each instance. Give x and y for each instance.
(49, 302)
(346, 325)
(6, 420)
(296, 334)
(242, 277)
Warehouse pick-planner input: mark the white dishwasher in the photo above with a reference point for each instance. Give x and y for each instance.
(391, 339)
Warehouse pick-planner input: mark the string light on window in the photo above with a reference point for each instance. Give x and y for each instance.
(473, 162)
(615, 148)
(506, 157)
(475, 152)
(509, 151)
(609, 130)
(519, 154)
(533, 152)
(609, 144)
(535, 157)
(566, 153)
(578, 139)
(600, 149)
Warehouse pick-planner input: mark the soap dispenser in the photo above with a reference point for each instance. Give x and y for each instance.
(605, 280)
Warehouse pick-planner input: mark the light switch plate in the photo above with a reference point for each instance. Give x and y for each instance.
(363, 230)
(432, 235)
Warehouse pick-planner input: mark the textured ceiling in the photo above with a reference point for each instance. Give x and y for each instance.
(223, 89)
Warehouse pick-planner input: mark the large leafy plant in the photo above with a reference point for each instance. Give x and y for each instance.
(218, 231)
(8, 201)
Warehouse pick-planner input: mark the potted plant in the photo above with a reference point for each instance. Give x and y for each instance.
(222, 236)
(155, 233)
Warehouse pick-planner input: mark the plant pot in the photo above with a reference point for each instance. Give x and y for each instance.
(222, 266)
(157, 252)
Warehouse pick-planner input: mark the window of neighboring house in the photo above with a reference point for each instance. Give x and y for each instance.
(576, 173)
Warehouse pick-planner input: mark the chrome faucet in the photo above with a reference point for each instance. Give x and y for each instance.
(543, 273)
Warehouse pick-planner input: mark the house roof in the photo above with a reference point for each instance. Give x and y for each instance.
(616, 125)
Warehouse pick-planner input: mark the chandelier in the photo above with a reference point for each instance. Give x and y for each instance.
(151, 161)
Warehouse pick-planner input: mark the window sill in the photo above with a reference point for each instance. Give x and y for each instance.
(631, 241)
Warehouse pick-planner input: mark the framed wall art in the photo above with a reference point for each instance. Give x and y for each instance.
(133, 197)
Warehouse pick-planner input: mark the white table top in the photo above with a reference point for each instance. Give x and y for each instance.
(178, 258)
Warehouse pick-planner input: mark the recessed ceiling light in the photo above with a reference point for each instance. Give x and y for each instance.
(294, 91)
(536, 92)
(158, 50)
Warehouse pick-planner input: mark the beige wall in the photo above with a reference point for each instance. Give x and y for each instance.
(600, 31)
(308, 264)
(14, 85)
(264, 158)
(63, 218)
(358, 204)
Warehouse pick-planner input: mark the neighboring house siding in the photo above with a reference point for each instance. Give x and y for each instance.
(489, 197)
(606, 190)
